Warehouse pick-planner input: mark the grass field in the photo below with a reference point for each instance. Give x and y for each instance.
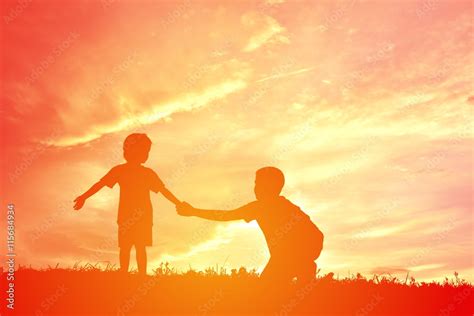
(91, 291)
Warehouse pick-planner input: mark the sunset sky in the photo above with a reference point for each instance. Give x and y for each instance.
(366, 106)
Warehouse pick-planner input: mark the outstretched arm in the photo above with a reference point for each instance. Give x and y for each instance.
(216, 215)
(170, 196)
(81, 199)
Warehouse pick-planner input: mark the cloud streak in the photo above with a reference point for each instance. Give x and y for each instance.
(267, 30)
(157, 112)
(287, 74)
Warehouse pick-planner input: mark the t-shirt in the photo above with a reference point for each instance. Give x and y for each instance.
(136, 182)
(287, 229)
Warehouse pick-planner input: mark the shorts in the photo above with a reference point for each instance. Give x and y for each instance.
(134, 235)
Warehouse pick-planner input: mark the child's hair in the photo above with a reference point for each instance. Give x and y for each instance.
(136, 148)
(272, 178)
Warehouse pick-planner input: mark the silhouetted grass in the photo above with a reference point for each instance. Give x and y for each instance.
(89, 290)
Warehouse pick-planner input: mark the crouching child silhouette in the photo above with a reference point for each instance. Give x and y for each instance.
(293, 239)
(135, 213)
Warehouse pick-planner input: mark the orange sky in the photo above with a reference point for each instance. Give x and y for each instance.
(365, 106)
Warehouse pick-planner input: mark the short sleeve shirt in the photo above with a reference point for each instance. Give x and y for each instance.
(284, 225)
(136, 182)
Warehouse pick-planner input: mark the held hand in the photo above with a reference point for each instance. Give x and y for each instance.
(79, 202)
(184, 209)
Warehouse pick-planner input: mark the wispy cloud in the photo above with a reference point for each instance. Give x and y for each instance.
(156, 112)
(287, 74)
(431, 266)
(222, 237)
(266, 30)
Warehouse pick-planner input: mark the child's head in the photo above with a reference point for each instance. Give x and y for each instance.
(268, 183)
(136, 148)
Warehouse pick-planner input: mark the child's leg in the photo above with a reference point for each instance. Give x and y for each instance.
(141, 259)
(125, 258)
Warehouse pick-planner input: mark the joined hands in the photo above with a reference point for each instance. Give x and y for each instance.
(184, 209)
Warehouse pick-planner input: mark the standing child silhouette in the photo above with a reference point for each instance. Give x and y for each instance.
(135, 213)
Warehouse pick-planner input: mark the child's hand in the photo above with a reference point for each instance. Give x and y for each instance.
(79, 202)
(184, 209)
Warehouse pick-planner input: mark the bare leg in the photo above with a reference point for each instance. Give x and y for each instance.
(125, 258)
(141, 259)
